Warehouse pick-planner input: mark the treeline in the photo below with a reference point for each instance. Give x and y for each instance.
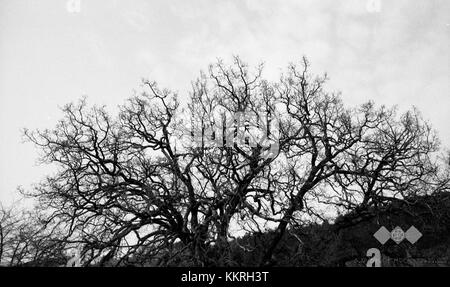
(346, 242)
(343, 243)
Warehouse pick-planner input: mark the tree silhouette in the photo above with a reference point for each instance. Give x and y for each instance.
(26, 238)
(172, 181)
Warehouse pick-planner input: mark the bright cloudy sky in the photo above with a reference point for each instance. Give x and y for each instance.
(394, 52)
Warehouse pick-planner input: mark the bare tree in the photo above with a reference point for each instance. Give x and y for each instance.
(26, 238)
(7, 223)
(172, 182)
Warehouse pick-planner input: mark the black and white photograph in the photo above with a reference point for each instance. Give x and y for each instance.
(227, 138)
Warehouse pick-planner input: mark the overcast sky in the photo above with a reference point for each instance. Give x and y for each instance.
(51, 53)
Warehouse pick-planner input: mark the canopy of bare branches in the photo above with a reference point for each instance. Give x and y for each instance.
(139, 186)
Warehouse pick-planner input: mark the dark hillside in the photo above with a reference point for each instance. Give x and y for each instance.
(346, 242)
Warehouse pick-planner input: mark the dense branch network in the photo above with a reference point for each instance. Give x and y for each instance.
(161, 181)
